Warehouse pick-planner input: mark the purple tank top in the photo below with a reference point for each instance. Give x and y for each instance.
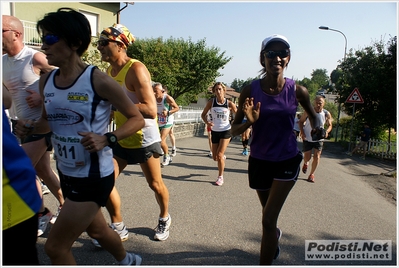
(273, 138)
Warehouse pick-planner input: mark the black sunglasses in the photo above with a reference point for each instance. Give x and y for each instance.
(281, 53)
(50, 39)
(105, 42)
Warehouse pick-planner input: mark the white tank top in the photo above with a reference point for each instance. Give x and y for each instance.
(18, 76)
(72, 109)
(220, 115)
(307, 128)
(164, 106)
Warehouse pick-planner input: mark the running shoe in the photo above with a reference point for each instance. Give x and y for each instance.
(45, 189)
(304, 168)
(162, 229)
(166, 160)
(136, 259)
(311, 178)
(219, 181)
(279, 233)
(123, 234)
(173, 152)
(44, 219)
(210, 154)
(54, 218)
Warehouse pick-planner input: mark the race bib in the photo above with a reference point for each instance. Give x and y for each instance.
(68, 150)
(162, 119)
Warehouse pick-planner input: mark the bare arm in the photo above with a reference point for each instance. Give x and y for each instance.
(108, 89)
(40, 63)
(138, 80)
(7, 99)
(244, 108)
(204, 113)
(302, 96)
(328, 123)
(27, 127)
(172, 103)
(40, 66)
(301, 123)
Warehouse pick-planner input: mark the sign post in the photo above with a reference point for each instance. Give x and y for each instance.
(354, 98)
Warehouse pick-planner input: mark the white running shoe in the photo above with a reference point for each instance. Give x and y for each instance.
(166, 160)
(123, 234)
(173, 154)
(54, 218)
(45, 189)
(44, 219)
(162, 229)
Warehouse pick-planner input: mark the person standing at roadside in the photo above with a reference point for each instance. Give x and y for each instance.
(219, 107)
(270, 104)
(22, 68)
(77, 108)
(144, 147)
(364, 140)
(309, 143)
(166, 107)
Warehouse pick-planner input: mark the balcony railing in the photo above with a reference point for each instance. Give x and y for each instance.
(31, 37)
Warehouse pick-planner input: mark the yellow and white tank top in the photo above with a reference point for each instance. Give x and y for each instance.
(149, 134)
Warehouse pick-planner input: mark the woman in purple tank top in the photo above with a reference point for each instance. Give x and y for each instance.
(270, 105)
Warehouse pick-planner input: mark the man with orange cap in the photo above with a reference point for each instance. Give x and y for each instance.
(144, 147)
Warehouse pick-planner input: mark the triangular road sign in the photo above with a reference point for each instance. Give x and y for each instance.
(355, 97)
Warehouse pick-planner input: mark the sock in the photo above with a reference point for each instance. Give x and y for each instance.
(119, 225)
(164, 219)
(127, 260)
(174, 148)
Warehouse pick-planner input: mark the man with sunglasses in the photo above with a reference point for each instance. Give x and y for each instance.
(22, 67)
(144, 147)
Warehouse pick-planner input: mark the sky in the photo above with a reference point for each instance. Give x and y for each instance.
(238, 28)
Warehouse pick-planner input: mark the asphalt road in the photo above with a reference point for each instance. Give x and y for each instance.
(213, 225)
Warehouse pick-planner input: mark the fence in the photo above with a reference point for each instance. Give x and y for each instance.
(31, 37)
(186, 115)
(381, 149)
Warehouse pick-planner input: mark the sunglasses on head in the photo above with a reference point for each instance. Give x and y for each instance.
(281, 53)
(50, 39)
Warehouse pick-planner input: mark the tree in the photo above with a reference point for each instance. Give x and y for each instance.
(93, 57)
(187, 68)
(320, 78)
(373, 71)
(239, 84)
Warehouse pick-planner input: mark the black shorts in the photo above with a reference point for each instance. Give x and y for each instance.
(261, 173)
(36, 137)
(217, 136)
(87, 189)
(139, 155)
(308, 146)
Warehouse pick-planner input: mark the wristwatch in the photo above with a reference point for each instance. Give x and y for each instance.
(112, 139)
